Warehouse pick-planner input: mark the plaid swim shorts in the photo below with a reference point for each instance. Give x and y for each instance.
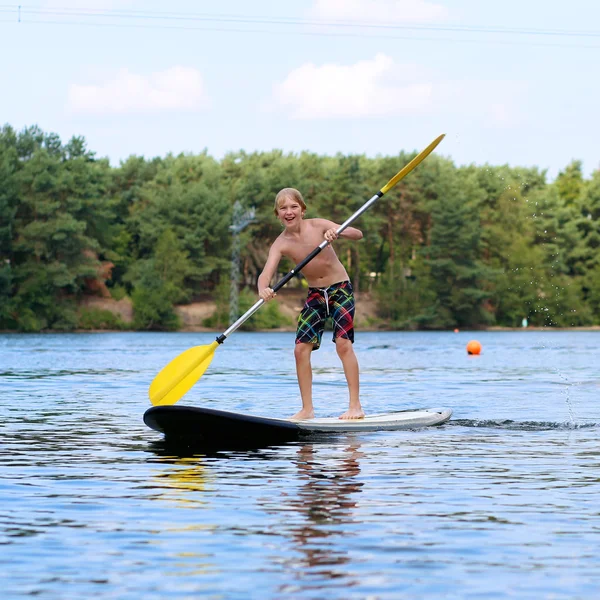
(337, 302)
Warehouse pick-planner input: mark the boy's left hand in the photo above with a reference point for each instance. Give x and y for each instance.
(331, 235)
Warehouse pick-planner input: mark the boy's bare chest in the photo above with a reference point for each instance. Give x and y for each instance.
(297, 251)
(297, 248)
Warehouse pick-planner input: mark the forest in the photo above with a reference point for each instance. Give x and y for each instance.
(449, 247)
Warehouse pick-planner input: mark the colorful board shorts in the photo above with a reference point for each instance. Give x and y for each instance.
(337, 302)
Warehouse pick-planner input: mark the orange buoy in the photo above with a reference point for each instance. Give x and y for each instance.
(456, 331)
(474, 347)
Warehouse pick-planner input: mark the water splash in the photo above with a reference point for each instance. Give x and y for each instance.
(511, 425)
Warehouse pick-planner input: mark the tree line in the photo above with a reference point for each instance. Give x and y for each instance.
(449, 246)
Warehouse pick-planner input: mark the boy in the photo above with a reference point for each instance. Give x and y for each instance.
(330, 295)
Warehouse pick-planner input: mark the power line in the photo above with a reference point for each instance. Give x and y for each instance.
(165, 20)
(155, 15)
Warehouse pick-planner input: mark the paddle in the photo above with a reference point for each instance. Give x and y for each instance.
(183, 371)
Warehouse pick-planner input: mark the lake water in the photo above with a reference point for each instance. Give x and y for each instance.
(502, 501)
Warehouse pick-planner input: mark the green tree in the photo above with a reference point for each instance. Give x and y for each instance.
(8, 209)
(458, 275)
(558, 278)
(158, 284)
(508, 236)
(590, 232)
(56, 228)
(186, 197)
(569, 183)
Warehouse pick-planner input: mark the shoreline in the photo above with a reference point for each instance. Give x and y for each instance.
(193, 315)
(198, 329)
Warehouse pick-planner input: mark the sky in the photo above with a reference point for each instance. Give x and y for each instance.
(511, 82)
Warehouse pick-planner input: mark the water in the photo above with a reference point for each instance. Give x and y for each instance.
(500, 502)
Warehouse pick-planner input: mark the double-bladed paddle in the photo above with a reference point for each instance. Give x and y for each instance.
(183, 371)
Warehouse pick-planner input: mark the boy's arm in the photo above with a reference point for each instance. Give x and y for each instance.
(264, 279)
(329, 229)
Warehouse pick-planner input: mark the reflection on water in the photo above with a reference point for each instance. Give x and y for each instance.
(318, 509)
(190, 478)
(325, 500)
(500, 501)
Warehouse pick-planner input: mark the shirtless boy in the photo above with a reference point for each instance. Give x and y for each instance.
(330, 295)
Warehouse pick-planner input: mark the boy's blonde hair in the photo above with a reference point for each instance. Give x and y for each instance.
(292, 193)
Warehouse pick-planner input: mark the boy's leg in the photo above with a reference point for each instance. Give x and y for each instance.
(311, 323)
(302, 354)
(342, 311)
(345, 351)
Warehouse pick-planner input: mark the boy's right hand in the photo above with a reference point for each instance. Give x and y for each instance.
(267, 294)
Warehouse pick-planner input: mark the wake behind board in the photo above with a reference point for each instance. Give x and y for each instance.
(219, 426)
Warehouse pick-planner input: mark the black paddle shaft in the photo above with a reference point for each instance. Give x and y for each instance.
(296, 269)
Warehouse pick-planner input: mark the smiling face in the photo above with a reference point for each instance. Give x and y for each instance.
(289, 207)
(289, 211)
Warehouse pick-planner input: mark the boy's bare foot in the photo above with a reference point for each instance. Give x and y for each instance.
(303, 415)
(353, 413)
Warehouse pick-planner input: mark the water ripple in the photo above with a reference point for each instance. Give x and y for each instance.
(499, 502)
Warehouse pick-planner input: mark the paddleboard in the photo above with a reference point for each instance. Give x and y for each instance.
(212, 425)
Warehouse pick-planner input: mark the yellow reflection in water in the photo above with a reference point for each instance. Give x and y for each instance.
(179, 484)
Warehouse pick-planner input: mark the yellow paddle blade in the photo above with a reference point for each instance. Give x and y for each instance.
(412, 164)
(181, 374)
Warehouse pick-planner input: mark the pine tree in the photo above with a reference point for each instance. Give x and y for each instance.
(458, 275)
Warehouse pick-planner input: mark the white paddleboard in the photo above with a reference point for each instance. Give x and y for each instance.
(209, 424)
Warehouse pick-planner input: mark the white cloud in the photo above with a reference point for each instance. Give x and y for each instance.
(177, 88)
(379, 10)
(368, 88)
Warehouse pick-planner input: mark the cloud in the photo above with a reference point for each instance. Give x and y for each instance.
(368, 88)
(177, 88)
(380, 87)
(379, 10)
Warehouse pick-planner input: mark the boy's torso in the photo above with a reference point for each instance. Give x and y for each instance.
(323, 270)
